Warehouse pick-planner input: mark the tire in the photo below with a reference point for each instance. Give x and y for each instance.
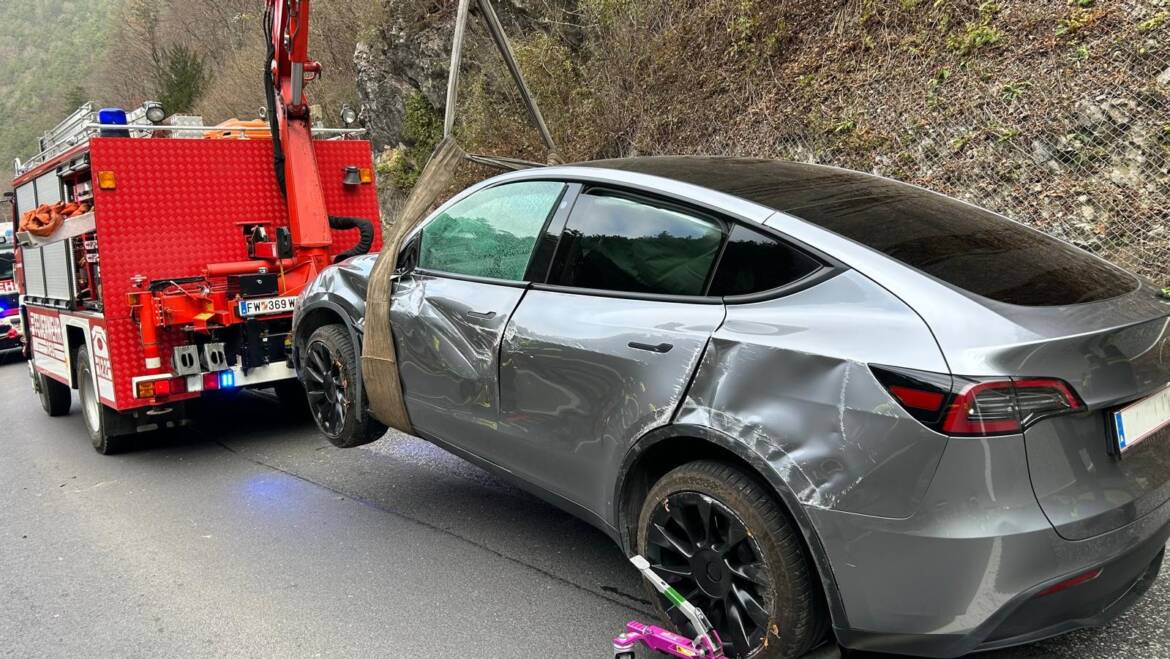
(56, 398)
(93, 412)
(759, 568)
(329, 372)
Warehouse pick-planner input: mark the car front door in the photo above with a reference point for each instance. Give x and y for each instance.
(602, 353)
(449, 312)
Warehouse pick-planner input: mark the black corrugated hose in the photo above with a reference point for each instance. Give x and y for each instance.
(365, 231)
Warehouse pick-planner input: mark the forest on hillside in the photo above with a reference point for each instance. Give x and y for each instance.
(1054, 113)
(203, 58)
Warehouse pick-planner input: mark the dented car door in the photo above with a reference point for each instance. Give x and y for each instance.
(602, 353)
(449, 312)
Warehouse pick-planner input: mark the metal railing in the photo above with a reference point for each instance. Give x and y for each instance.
(87, 129)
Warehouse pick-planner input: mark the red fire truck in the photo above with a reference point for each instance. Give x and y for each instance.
(181, 277)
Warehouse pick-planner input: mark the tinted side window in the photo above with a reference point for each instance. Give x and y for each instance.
(491, 233)
(618, 244)
(753, 262)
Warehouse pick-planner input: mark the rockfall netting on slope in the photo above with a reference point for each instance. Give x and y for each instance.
(1056, 114)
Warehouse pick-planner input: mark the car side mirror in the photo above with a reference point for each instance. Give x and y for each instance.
(408, 256)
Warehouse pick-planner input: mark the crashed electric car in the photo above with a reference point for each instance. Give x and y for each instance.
(818, 401)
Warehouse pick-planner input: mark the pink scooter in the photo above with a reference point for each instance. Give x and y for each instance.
(706, 645)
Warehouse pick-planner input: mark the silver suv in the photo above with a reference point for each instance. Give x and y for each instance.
(817, 401)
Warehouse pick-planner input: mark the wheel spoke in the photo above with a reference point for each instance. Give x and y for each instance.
(735, 534)
(750, 605)
(317, 377)
(667, 540)
(683, 571)
(679, 513)
(738, 633)
(751, 572)
(706, 513)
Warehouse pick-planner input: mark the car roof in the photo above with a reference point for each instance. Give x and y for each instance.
(800, 189)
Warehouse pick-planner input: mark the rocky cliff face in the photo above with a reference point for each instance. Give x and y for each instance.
(410, 54)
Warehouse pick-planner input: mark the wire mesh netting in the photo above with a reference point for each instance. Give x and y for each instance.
(1081, 151)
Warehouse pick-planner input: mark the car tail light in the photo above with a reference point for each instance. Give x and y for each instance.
(977, 407)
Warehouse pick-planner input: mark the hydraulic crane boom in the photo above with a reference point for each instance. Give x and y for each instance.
(291, 69)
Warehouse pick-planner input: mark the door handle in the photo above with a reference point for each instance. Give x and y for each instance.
(660, 348)
(485, 315)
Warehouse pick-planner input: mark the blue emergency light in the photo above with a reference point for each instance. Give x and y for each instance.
(113, 117)
(227, 379)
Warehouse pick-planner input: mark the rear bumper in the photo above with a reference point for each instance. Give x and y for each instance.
(1032, 617)
(964, 574)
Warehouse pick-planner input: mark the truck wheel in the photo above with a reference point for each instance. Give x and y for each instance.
(330, 376)
(724, 543)
(92, 409)
(55, 397)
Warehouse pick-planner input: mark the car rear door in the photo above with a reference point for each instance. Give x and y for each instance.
(603, 352)
(450, 311)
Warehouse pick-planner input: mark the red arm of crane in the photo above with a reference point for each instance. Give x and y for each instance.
(291, 70)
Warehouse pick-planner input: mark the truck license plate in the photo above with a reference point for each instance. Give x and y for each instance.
(1139, 420)
(267, 305)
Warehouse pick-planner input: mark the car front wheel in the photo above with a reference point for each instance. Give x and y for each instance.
(721, 539)
(329, 372)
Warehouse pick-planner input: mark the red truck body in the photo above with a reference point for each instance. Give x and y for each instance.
(165, 212)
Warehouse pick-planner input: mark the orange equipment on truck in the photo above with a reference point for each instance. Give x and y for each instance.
(180, 276)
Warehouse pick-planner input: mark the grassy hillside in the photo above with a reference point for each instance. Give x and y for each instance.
(48, 50)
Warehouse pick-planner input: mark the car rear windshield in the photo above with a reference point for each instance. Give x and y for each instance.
(963, 245)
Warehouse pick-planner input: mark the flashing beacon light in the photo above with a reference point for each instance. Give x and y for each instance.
(227, 379)
(113, 117)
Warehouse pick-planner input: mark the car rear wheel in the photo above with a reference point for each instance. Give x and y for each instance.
(93, 412)
(724, 543)
(330, 374)
(55, 397)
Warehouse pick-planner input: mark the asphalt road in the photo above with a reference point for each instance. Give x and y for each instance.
(251, 536)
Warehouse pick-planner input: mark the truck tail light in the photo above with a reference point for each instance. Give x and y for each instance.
(144, 389)
(210, 381)
(977, 407)
(160, 388)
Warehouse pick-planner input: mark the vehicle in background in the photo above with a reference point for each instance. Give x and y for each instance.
(812, 398)
(11, 336)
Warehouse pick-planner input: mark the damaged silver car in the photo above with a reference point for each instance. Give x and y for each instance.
(823, 404)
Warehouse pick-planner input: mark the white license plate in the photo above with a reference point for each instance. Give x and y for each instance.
(1137, 421)
(267, 305)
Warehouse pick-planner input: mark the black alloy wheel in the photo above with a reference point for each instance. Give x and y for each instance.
(327, 387)
(703, 549)
(329, 373)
